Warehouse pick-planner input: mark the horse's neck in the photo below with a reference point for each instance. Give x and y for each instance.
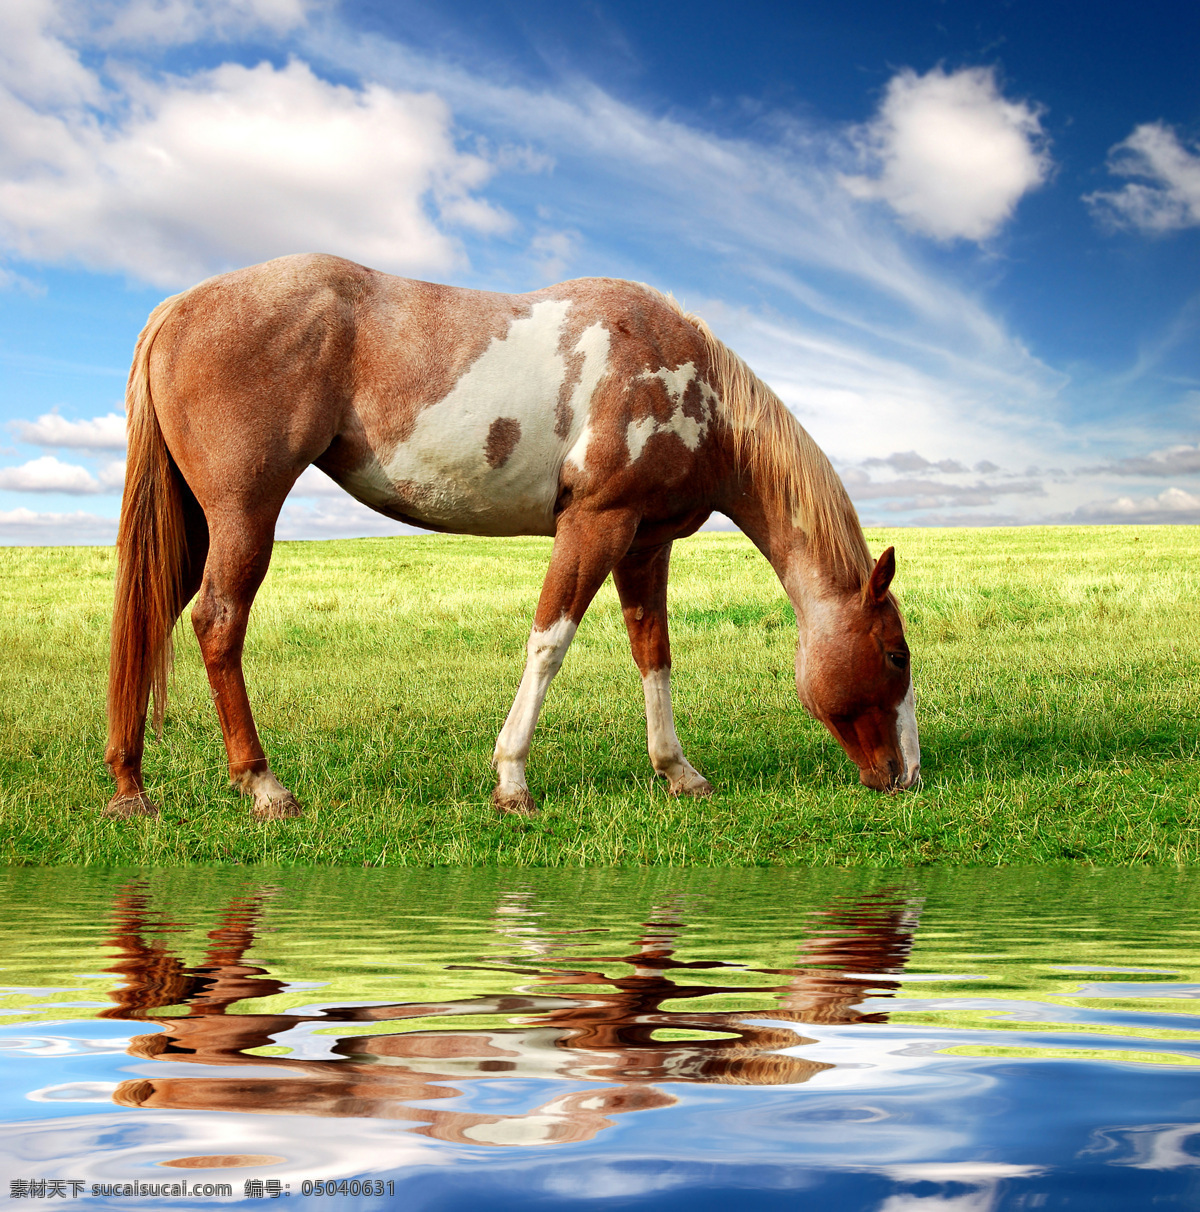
(808, 581)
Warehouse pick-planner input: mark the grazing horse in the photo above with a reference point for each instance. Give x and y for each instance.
(595, 411)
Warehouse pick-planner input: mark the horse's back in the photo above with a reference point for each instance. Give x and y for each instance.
(457, 409)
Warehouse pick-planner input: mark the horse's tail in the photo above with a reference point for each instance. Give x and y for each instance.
(151, 556)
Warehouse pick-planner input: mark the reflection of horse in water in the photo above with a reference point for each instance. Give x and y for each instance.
(610, 1033)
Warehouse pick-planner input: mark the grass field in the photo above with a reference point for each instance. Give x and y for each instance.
(1056, 673)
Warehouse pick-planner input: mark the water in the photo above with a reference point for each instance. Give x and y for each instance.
(942, 1042)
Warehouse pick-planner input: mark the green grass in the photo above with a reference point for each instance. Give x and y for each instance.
(1056, 673)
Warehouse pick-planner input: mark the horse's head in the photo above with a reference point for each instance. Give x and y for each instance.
(852, 674)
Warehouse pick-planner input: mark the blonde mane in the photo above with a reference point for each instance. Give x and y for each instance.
(787, 466)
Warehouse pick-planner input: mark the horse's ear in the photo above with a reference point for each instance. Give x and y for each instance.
(881, 577)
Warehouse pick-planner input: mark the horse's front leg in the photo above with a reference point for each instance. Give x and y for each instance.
(586, 546)
(641, 580)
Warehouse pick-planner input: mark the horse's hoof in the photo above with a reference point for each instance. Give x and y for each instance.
(281, 808)
(122, 807)
(692, 784)
(518, 803)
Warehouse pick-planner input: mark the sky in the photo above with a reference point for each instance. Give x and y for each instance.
(960, 240)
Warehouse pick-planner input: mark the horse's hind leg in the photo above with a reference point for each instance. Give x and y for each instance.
(586, 546)
(239, 552)
(641, 580)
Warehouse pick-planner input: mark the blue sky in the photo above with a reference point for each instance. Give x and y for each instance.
(960, 240)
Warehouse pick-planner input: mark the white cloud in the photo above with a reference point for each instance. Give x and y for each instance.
(35, 63)
(47, 474)
(1171, 461)
(25, 527)
(185, 177)
(954, 156)
(14, 281)
(1171, 505)
(111, 475)
(313, 482)
(342, 518)
(1169, 196)
(909, 460)
(609, 1182)
(911, 483)
(51, 430)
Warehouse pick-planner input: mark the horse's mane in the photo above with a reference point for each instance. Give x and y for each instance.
(784, 462)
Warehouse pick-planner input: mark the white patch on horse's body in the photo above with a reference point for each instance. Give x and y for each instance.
(544, 655)
(689, 430)
(910, 746)
(448, 473)
(594, 344)
(369, 483)
(666, 753)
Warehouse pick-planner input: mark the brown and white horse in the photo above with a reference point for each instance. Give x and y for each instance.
(595, 411)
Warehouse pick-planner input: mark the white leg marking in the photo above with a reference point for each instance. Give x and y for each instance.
(666, 754)
(910, 746)
(271, 798)
(544, 655)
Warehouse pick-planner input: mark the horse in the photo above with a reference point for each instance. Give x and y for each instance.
(596, 411)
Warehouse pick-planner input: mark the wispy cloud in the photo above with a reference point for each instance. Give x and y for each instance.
(909, 460)
(113, 23)
(662, 181)
(907, 493)
(554, 252)
(1173, 461)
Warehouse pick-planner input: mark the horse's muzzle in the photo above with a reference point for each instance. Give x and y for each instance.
(891, 778)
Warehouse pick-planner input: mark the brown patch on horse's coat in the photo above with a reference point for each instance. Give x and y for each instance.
(696, 403)
(564, 414)
(502, 439)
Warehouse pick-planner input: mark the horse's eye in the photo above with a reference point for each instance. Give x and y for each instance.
(898, 659)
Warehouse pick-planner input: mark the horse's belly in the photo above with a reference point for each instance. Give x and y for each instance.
(486, 458)
(446, 480)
